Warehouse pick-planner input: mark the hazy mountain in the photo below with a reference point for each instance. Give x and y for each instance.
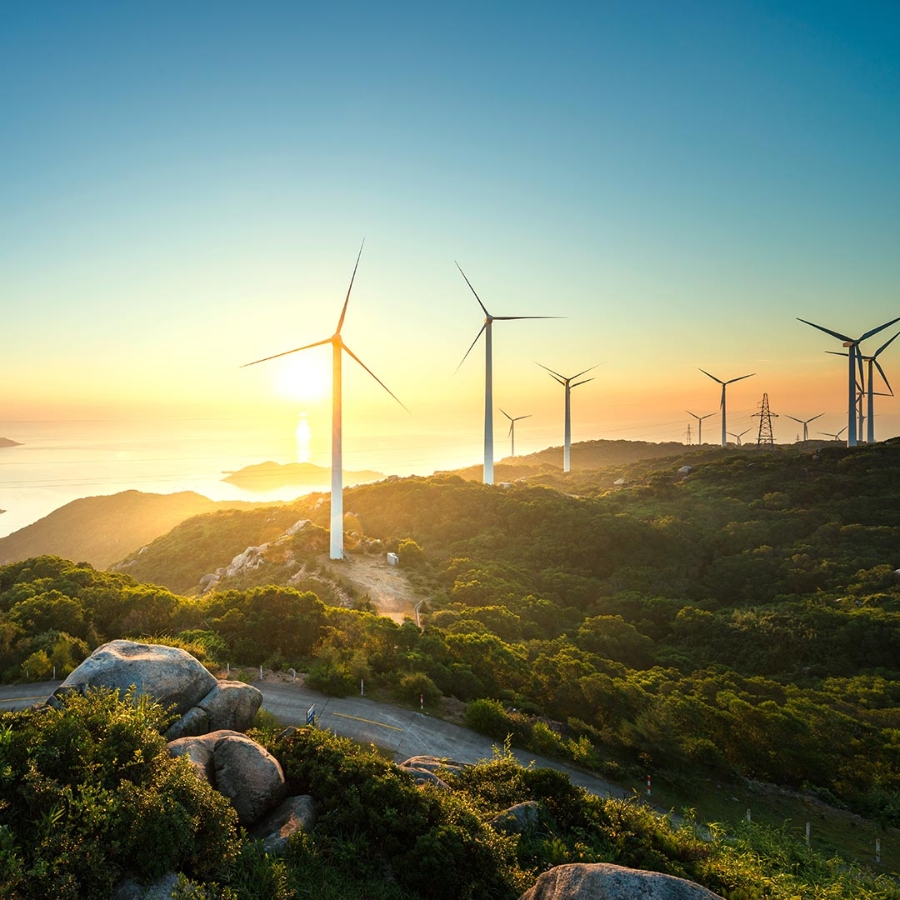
(100, 530)
(269, 475)
(6, 442)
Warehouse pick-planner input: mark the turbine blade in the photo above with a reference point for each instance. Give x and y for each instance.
(286, 352)
(885, 345)
(869, 334)
(796, 419)
(837, 334)
(513, 318)
(469, 283)
(508, 416)
(511, 423)
(579, 383)
(741, 378)
(881, 372)
(470, 349)
(712, 376)
(591, 369)
(351, 353)
(523, 417)
(352, 278)
(837, 353)
(561, 378)
(813, 419)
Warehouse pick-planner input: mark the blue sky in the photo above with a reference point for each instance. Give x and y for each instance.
(185, 187)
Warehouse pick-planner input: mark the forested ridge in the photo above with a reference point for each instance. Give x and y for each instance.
(742, 620)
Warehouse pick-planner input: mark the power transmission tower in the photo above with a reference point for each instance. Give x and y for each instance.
(689, 434)
(765, 439)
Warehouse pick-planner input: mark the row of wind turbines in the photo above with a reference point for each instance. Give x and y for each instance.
(569, 383)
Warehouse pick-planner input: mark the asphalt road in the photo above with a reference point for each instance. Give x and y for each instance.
(401, 731)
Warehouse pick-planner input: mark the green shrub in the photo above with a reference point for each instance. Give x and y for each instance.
(88, 791)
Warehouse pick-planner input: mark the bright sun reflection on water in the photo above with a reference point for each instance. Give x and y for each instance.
(304, 434)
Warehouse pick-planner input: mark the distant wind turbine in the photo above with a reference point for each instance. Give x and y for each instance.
(737, 437)
(724, 385)
(489, 377)
(512, 428)
(337, 345)
(872, 361)
(568, 383)
(805, 424)
(852, 345)
(699, 424)
(834, 437)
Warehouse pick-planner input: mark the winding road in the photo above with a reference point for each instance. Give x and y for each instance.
(401, 731)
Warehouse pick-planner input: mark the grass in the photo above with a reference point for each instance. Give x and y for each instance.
(833, 832)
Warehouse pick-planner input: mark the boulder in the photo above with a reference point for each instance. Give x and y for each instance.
(603, 881)
(195, 721)
(517, 819)
(231, 705)
(426, 769)
(167, 674)
(132, 889)
(245, 772)
(290, 816)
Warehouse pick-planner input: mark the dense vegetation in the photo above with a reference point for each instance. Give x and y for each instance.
(88, 795)
(741, 621)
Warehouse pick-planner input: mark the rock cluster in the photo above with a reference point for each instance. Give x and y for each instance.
(172, 677)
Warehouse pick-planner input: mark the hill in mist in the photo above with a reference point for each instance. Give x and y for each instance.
(6, 442)
(271, 475)
(100, 530)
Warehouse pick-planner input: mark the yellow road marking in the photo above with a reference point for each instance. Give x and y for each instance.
(368, 721)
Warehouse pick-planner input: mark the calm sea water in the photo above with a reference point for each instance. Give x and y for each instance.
(58, 462)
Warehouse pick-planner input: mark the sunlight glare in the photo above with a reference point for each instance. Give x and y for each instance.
(303, 376)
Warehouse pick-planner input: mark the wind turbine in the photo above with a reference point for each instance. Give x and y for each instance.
(337, 346)
(805, 424)
(873, 362)
(738, 437)
(512, 428)
(834, 437)
(699, 424)
(852, 345)
(489, 377)
(724, 385)
(568, 384)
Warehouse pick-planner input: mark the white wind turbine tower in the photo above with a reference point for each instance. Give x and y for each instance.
(699, 424)
(568, 383)
(805, 424)
(489, 377)
(852, 345)
(337, 347)
(724, 385)
(512, 428)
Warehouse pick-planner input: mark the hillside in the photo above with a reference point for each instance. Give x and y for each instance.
(6, 442)
(100, 530)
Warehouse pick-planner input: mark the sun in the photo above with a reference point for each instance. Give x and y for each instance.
(302, 377)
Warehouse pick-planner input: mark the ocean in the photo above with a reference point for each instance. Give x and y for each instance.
(58, 462)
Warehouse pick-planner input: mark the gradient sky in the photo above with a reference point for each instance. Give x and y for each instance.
(185, 188)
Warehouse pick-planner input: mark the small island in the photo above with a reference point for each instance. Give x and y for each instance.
(272, 476)
(6, 442)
